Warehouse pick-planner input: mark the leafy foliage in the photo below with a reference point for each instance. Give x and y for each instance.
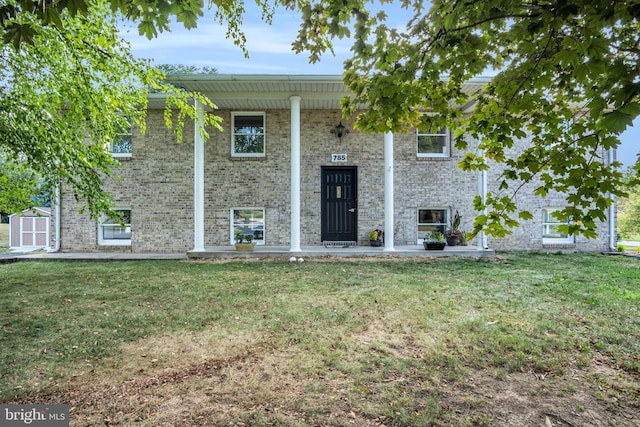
(567, 81)
(67, 94)
(152, 18)
(629, 215)
(185, 69)
(50, 13)
(19, 184)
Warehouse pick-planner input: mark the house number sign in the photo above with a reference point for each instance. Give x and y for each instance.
(339, 158)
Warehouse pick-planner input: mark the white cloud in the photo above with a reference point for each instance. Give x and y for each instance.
(269, 46)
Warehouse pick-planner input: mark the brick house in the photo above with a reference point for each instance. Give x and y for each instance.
(288, 170)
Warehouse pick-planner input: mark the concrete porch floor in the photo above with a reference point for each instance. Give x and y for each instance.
(351, 251)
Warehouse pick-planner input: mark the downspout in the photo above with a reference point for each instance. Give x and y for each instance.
(612, 212)
(389, 221)
(482, 192)
(56, 247)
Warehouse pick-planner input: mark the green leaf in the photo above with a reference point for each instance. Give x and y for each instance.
(148, 29)
(616, 121)
(525, 215)
(17, 34)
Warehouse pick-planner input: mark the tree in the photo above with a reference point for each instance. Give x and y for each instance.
(68, 87)
(629, 209)
(21, 20)
(185, 69)
(629, 216)
(18, 186)
(567, 76)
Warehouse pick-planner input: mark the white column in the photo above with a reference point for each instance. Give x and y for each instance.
(388, 193)
(295, 173)
(198, 180)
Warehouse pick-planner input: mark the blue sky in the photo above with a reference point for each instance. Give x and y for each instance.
(270, 52)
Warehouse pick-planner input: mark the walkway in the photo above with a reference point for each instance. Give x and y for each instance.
(229, 252)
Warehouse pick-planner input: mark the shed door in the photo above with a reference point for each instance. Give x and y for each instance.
(339, 203)
(34, 231)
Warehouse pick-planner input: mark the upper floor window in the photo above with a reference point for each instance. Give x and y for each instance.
(247, 137)
(551, 233)
(121, 146)
(116, 231)
(433, 144)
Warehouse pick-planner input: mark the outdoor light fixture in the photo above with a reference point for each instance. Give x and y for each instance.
(340, 130)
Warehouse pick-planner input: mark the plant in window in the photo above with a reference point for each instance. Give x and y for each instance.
(244, 242)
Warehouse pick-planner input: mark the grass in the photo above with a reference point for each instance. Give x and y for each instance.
(4, 238)
(386, 334)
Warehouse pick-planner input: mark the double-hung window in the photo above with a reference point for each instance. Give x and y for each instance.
(122, 144)
(551, 234)
(116, 231)
(434, 144)
(431, 219)
(248, 222)
(248, 134)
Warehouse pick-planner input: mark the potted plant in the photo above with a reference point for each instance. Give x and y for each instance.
(454, 236)
(244, 242)
(466, 236)
(376, 237)
(434, 241)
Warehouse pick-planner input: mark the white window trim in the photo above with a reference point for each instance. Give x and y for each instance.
(264, 133)
(123, 155)
(232, 236)
(445, 221)
(554, 240)
(446, 134)
(113, 242)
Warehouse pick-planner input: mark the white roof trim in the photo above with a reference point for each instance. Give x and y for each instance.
(272, 91)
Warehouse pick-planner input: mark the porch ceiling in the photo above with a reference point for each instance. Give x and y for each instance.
(265, 92)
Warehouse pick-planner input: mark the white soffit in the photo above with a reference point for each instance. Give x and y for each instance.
(271, 91)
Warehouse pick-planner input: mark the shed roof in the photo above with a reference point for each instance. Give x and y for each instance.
(34, 211)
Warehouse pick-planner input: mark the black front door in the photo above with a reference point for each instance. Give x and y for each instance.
(339, 202)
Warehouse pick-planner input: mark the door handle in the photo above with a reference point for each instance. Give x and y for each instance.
(352, 210)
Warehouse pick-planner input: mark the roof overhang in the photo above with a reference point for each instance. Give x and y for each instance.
(273, 91)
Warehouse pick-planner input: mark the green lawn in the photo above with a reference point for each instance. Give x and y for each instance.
(386, 341)
(4, 238)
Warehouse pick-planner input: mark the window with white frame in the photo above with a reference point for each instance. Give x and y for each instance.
(121, 146)
(116, 231)
(247, 136)
(551, 233)
(433, 144)
(248, 222)
(431, 219)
